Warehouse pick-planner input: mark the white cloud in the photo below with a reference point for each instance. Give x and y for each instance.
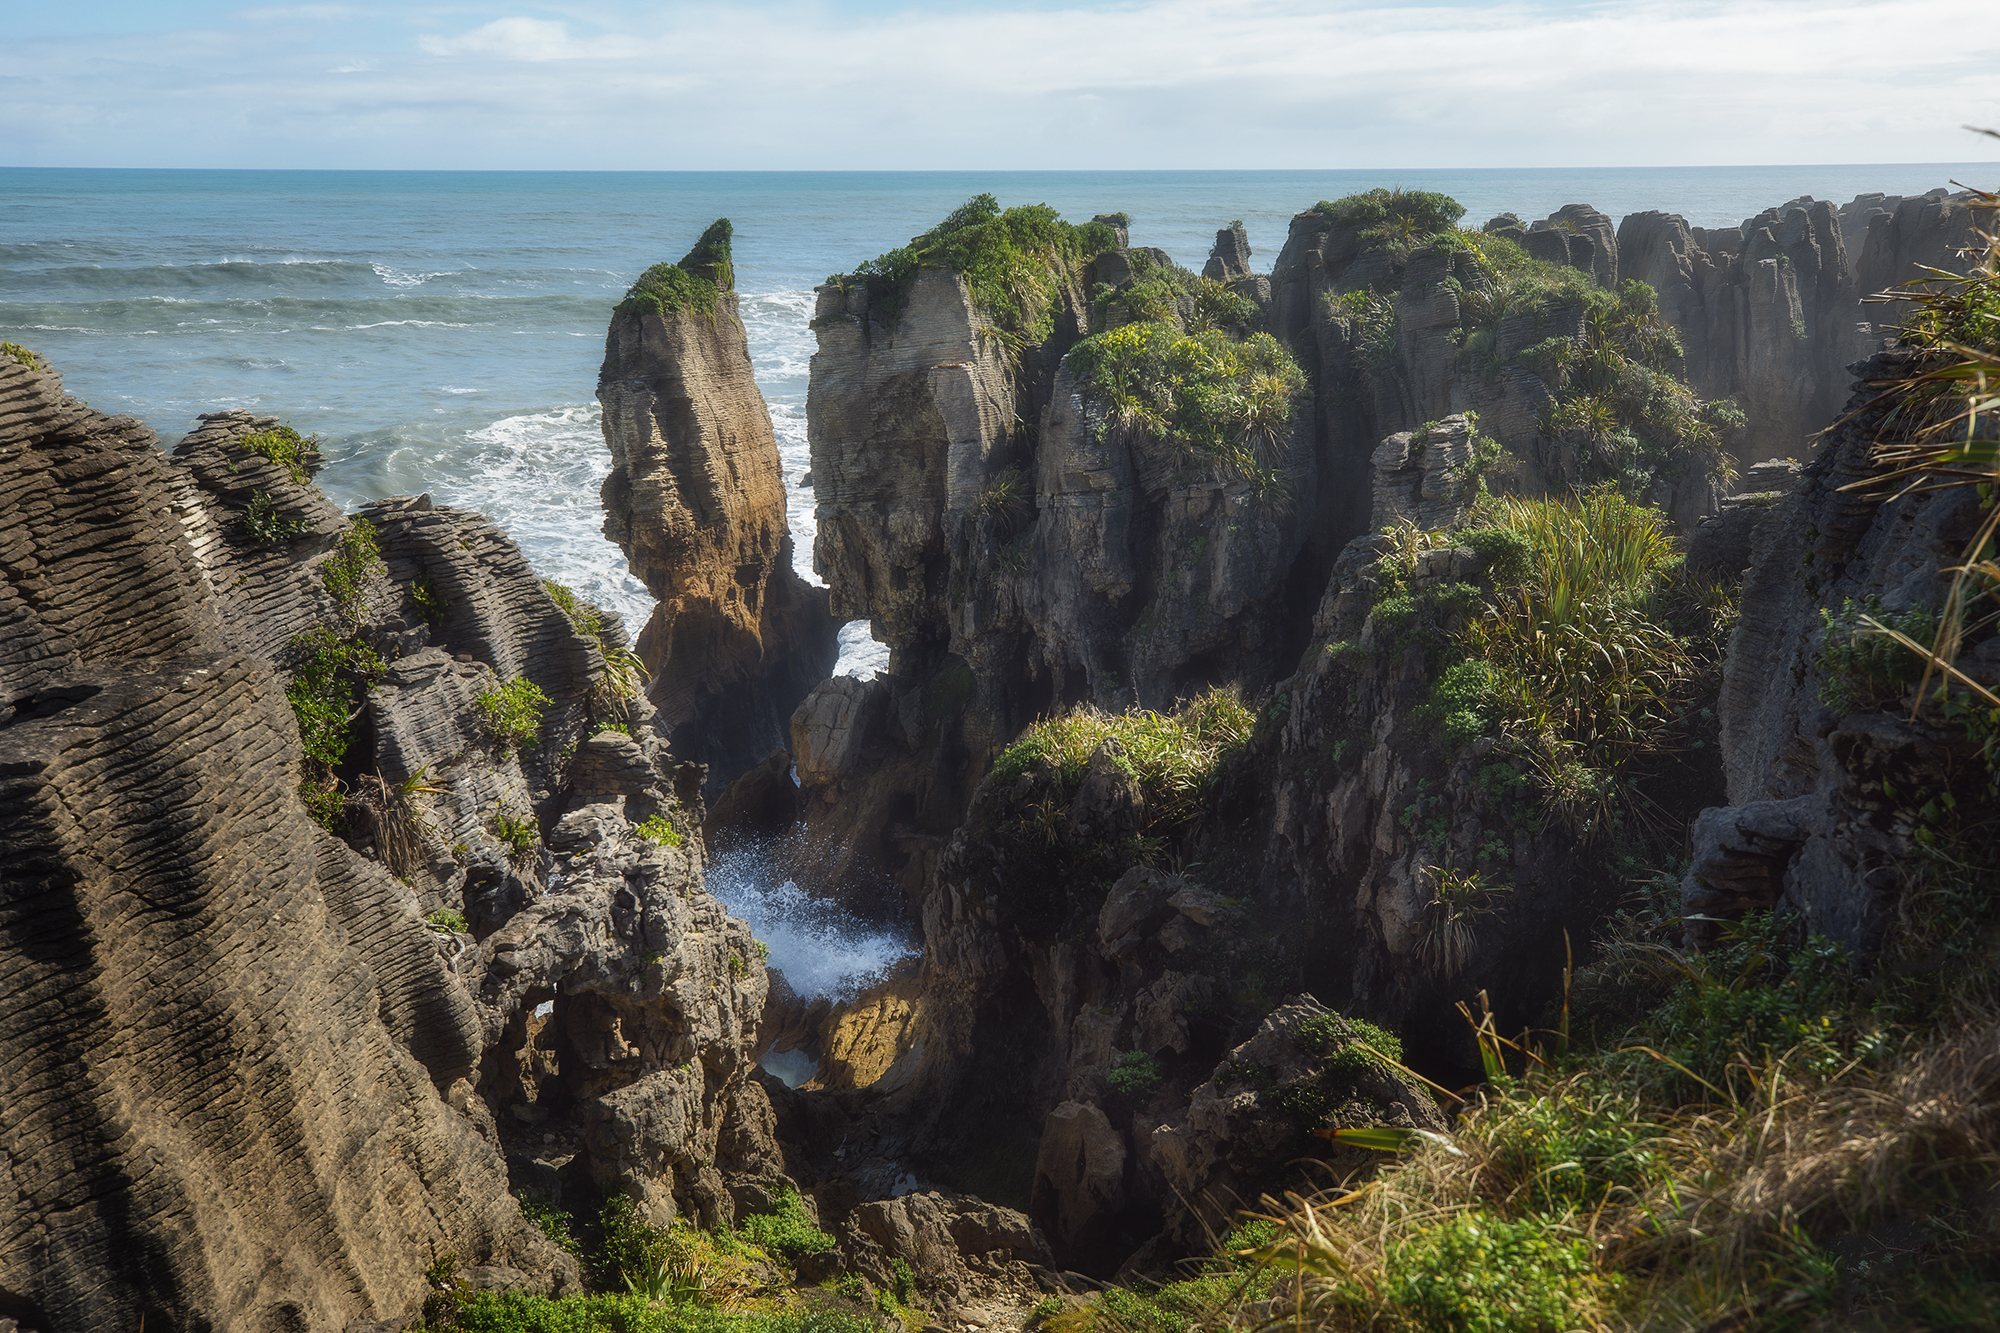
(518, 39)
(1143, 84)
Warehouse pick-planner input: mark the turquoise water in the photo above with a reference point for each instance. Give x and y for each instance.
(442, 331)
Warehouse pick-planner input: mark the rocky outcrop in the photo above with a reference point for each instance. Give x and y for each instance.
(1304, 1074)
(256, 1088)
(1014, 547)
(1907, 238)
(1770, 322)
(696, 500)
(1815, 754)
(241, 1067)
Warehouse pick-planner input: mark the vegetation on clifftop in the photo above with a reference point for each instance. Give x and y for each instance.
(1011, 260)
(695, 283)
(1203, 392)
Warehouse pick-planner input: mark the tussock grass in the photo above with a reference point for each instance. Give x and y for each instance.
(1173, 756)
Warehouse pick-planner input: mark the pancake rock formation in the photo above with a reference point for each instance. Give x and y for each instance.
(696, 500)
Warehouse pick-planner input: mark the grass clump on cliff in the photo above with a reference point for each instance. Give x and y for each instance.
(21, 354)
(1174, 757)
(1011, 261)
(695, 284)
(1229, 401)
(623, 676)
(1581, 649)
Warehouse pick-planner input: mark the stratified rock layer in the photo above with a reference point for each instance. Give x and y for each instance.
(696, 500)
(233, 1051)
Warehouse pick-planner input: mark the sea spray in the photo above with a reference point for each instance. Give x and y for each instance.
(819, 947)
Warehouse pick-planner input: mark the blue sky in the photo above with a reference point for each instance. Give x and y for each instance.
(1032, 84)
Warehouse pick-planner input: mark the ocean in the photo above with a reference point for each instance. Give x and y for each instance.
(441, 331)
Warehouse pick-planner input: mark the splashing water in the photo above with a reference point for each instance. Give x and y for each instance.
(819, 947)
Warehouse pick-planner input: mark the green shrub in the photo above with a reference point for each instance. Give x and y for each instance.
(283, 446)
(345, 572)
(555, 1223)
(787, 1232)
(330, 678)
(21, 354)
(1862, 669)
(430, 603)
(1477, 1273)
(512, 714)
(695, 284)
(659, 828)
(1342, 1038)
(453, 923)
(1461, 702)
(1135, 1075)
(262, 523)
(1229, 401)
(1398, 220)
(1010, 261)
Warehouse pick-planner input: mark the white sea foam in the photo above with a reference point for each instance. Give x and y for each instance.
(537, 476)
(819, 948)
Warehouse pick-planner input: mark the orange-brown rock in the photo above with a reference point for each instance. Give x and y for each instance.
(696, 501)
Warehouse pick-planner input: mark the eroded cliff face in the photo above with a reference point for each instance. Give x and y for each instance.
(696, 500)
(1018, 544)
(259, 1089)
(1817, 756)
(235, 1040)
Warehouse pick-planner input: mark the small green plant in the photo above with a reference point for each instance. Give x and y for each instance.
(762, 950)
(21, 354)
(737, 967)
(283, 446)
(1135, 1076)
(512, 714)
(451, 923)
(787, 1232)
(519, 836)
(329, 679)
(659, 828)
(345, 572)
(262, 523)
(555, 1223)
(430, 603)
(1458, 902)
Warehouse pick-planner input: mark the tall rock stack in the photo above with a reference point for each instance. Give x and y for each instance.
(696, 500)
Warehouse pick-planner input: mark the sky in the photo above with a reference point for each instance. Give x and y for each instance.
(1027, 84)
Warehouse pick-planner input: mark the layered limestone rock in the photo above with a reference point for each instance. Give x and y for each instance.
(696, 500)
(1014, 546)
(242, 1068)
(1815, 757)
(256, 1089)
(1771, 321)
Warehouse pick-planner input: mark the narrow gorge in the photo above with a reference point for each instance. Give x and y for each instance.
(1300, 683)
